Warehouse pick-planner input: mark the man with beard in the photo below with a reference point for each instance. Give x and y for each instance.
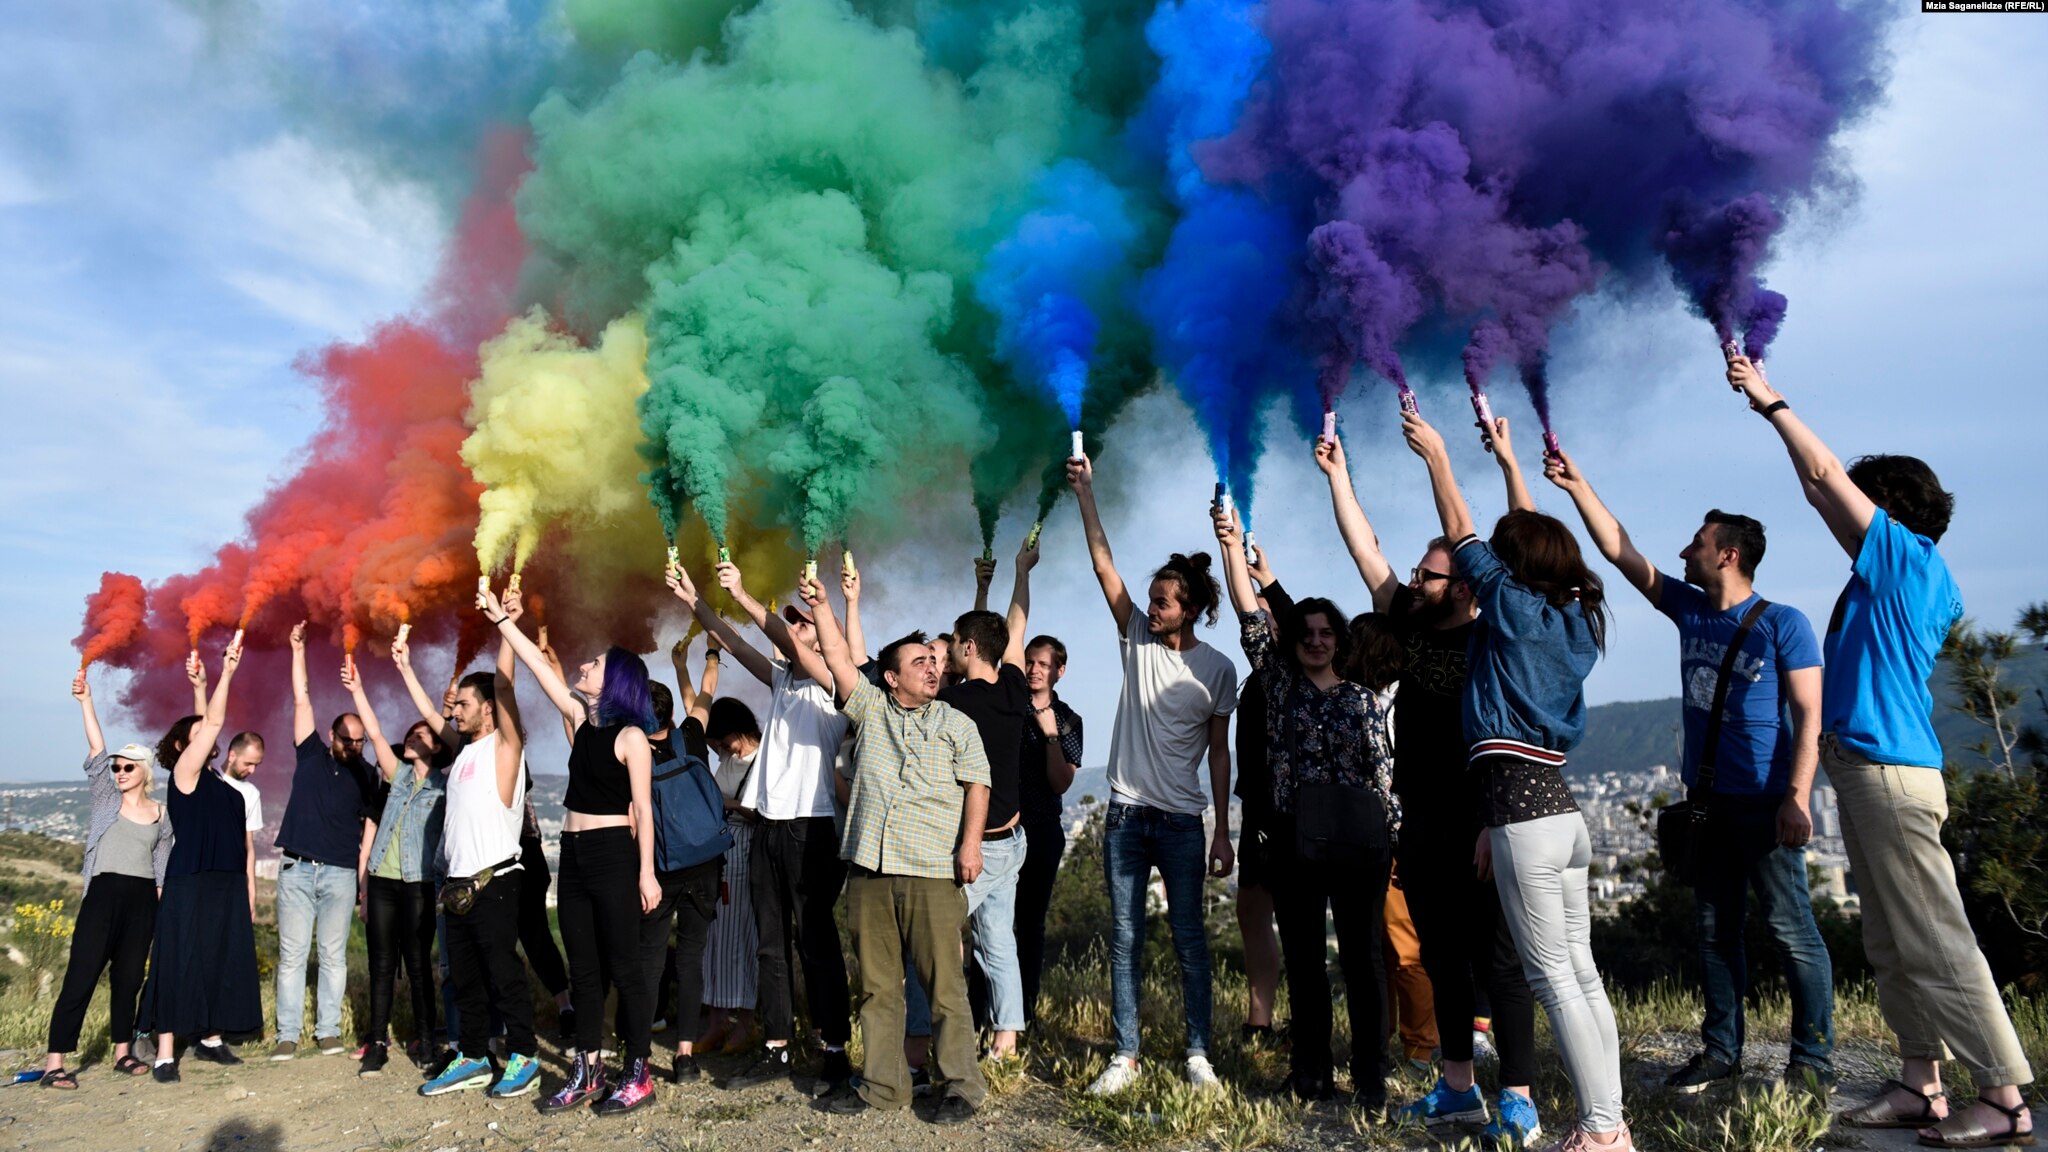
(1466, 948)
(319, 839)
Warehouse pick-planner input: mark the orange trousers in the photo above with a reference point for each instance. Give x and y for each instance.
(1412, 1002)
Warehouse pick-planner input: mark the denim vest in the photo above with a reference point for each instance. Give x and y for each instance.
(419, 813)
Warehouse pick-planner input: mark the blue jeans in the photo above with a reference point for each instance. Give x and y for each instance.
(314, 903)
(1137, 839)
(1742, 840)
(991, 909)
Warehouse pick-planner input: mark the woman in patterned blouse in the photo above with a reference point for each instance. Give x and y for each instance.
(1330, 753)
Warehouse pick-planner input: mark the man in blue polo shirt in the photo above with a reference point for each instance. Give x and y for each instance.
(319, 844)
(1765, 754)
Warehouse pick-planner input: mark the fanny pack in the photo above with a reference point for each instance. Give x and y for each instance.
(458, 895)
(1682, 841)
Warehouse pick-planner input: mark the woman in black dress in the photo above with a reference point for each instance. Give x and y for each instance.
(202, 972)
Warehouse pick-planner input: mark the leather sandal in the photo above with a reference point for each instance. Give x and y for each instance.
(1877, 1112)
(1958, 1132)
(131, 1066)
(63, 1079)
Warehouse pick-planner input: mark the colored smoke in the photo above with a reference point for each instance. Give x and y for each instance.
(113, 617)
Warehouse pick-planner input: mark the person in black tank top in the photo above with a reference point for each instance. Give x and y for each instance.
(607, 880)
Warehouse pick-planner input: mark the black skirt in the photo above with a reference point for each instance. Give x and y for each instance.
(202, 970)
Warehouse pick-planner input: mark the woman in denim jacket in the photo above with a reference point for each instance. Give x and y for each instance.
(397, 873)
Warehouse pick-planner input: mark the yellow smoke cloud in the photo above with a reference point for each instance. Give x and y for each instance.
(555, 429)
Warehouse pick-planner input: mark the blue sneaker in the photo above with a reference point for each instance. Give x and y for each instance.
(522, 1073)
(462, 1072)
(1445, 1105)
(1515, 1125)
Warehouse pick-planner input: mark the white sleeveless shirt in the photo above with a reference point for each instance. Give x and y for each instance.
(478, 828)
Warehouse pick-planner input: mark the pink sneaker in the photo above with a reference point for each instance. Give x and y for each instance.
(636, 1087)
(1576, 1140)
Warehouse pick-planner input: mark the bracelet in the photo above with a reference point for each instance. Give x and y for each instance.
(498, 621)
(1775, 406)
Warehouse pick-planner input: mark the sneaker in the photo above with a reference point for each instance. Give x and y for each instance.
(1121, 1074)
(1445, 1105)
(521, 1075)
(1576, 1140)
(285, 1050)
(433, 1069)
(769, 1064)
(920, 1081)
(837, 1073)
(1701, 1073)
(684, 1070)
(953, 1110)
(1421, 1064)
(166, 1072)
(1514, 1125)
(660, 1024)
(214, 1053)
(635, 1087)
(586, 1085)
(462, 1072)
(375, 1056)
(330, 1045)
(1202, 1075)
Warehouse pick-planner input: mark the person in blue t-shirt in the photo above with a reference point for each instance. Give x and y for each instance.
(1764, 759)
(1880, 752)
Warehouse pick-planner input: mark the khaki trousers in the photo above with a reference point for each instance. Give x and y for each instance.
(887, 915)
(1933, 984)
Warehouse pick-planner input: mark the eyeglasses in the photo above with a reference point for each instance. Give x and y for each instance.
(1421, 575)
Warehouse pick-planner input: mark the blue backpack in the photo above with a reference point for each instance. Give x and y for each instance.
(689, 813)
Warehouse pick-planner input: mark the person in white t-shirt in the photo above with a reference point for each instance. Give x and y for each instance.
(794, 869)
(1172, 720)
(245, 755)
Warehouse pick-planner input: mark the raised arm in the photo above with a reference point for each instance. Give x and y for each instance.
(429, 708)
(1502, 446)
(715, 626)
(772, 626)
(1019, 617)
(1425, 442)
(302, 695)
(856, 640)
(984, 575)
(1359, 538)
(1237, 576)
(387, 760)
(95, 740)
(509, 635)
(195, 674)
(1608, 535)
(185, 774)
(1081, 478)
(554, 660)
(1841, 504)
(843, 673)
(511, 727)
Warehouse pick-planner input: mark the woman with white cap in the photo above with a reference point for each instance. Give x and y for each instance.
(126, 846)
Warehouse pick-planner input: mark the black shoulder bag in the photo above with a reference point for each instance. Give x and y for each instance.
(1682, 827)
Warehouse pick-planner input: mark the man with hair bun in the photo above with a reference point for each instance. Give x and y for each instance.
(1172, 717)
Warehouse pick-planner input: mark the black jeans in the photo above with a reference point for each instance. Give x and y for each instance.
(597, 900)
(1354, 897)
(1466, 948)
(797, 877)
(115, 924)
(483, 964)
(1045, 843)
(689, 901)
(398, 924)
(535, 937)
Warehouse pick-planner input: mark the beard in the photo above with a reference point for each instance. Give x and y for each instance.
(1430, 613)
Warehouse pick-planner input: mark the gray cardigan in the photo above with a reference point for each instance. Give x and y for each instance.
(106, 808)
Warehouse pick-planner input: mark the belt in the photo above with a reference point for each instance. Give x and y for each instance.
(1005, 834)
(305, 859)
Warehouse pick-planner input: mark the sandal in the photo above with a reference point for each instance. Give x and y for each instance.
(66, 1080)
(130, 1065)
(1877, 1112)
(1971, 1134)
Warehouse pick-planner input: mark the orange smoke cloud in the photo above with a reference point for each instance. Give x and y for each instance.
(114, 617)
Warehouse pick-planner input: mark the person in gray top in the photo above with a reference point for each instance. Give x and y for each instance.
(126, 846)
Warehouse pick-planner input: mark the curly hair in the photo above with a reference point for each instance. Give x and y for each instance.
(1200, 594)
(1908, 490)
(175, 741)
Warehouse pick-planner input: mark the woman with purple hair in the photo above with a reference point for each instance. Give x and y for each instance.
(607, 880)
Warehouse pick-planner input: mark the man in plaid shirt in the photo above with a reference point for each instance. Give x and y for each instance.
(913, 838)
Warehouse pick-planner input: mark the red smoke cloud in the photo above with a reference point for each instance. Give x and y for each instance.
(113, 617)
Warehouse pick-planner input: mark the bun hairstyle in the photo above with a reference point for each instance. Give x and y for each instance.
(1200, 594)
(1544, 557)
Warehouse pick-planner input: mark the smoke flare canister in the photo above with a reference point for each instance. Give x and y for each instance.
(846, 567)
(1080, 449)
(543, 641)
(1031, 539)
(1223, 499)
(675, 558)
(811, 569)
(988, 554)
(1550, 444)
(1329, 427)
(404, 630)
(1485, 413)
(1408, 404)
(724, 554)
(237, 641)
(483, 585)
(514, 586)
(1251, 549)
(1730, 349)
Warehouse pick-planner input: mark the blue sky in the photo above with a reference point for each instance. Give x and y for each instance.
(174, 231)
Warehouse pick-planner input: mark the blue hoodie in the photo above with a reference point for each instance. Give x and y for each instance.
(1525, 694)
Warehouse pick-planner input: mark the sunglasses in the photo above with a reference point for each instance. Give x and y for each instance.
(1421, 575)
(123, 766)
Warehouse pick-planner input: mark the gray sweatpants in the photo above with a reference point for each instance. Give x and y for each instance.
(1540, 868)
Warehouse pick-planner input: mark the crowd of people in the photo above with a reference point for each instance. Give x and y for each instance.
(1402, 782)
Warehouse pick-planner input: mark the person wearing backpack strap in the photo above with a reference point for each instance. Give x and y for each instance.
(1751, 685)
